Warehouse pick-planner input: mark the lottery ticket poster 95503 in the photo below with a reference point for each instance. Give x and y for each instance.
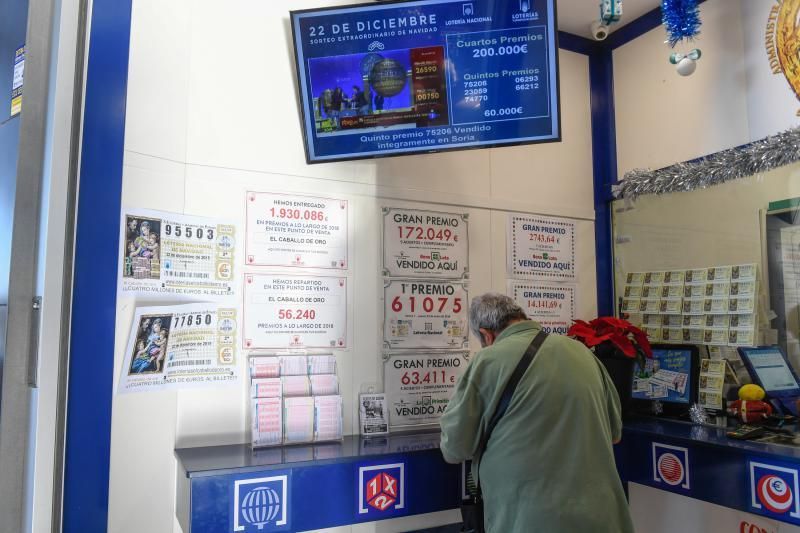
(180, 346)
(170, 255)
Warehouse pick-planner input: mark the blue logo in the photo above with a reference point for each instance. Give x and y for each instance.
(774, 490)
(671, 465)
(261, 504)
(468, 9)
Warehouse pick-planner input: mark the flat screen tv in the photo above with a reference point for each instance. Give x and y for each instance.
(396, 78)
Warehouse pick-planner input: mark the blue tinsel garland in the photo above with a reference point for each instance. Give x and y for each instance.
(681, 18)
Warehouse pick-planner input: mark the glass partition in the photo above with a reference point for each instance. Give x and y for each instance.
(718, 267)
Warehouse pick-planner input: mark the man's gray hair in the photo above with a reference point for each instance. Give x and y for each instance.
(493, 311)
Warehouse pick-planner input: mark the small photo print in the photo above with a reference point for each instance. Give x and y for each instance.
(150, 348)
(142, 248)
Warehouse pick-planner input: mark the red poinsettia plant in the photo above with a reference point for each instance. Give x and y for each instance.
(621, 334)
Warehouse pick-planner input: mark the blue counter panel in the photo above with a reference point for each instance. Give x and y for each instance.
(703, 463)
(301, 488)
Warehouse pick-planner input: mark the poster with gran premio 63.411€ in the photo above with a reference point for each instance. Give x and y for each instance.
(429, 75)
(541, 248)
(294, 311)
(296, 231)
(426, 244)
(419, 386)
(425, 314)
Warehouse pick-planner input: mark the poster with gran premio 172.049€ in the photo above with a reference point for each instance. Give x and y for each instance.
(425, 314)
(541, 248)
(294, 312)
(296, 231)
(171, 255)
(425, 244)
(180, 346)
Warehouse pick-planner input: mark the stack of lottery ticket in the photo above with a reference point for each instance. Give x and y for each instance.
(321, 364)
(712, 379)
(294, 386)
(265, 367)
(266, 422)
(324, 385)
(298, 420)
(294, 365)
(327, 418)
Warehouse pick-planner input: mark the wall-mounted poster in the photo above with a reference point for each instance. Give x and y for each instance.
(294, 312)
(16, 81)
(541, 248)
(418, 387)
(550, 304)
(169, 255)
(180, 346)
(296, 231)
(425, 314)
(427, 244)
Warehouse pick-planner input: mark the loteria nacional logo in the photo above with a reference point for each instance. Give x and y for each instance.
(381, 490)
(525, 12)
(261, 504)
(774, 490)
(783, 42)
(671, 465)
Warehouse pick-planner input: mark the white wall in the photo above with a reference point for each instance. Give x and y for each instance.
(663, 118)
(211, 112)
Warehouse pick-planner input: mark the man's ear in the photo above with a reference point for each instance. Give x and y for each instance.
(488, 336)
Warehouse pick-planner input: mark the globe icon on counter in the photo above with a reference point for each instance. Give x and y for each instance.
(388, 77)
(260, 506)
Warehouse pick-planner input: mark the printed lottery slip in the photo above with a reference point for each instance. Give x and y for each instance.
(180, 346)
(169, 255)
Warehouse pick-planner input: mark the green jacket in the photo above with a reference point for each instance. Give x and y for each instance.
(549, 464)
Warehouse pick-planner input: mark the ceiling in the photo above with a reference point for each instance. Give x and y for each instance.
(575, 16)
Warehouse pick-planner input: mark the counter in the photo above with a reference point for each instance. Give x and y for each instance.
(299, 488)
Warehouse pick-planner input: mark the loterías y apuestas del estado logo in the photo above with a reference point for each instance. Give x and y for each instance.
(783, 42)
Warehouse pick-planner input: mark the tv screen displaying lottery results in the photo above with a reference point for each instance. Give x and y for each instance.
(394, 78)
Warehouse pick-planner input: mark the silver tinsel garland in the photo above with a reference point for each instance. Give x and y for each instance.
(754, 158)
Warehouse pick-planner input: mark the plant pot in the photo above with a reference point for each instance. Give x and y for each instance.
(620, 369)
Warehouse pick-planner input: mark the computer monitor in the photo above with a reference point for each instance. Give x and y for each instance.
(670, 376)
(769, 368)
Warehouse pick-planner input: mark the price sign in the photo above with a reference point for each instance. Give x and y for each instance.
(425, 314)
(180, 346)
(427, 244)
(418, 387)
(550, 304)
(294, 312)
(541, 247)
(164, 255)
(296, 231)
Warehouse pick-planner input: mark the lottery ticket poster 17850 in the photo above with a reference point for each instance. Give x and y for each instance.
(180, 346)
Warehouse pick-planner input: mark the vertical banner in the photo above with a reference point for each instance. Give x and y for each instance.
(427, 244)
(425, 314)
(296, 231)
(16, 83)
(419, 386)
(550, 304)
(294, 312)
(541, 248)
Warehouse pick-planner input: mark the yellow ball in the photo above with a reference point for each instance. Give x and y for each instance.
(751, 392)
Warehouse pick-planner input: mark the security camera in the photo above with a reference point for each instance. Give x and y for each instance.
(599, 30)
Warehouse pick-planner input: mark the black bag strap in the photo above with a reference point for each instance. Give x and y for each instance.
(508, 392)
